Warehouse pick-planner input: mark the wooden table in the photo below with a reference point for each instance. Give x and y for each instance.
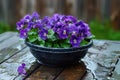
(101, 62)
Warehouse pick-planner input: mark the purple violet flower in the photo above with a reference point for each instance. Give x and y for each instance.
(21, 69)
(57, 27)
(87, 30)
(56, 17)
(63, 34)
(71, 19)
(79, 23)
(75, 41)
(23, 33)
(73, 29)
(38, 24)
(51, 22)
(43, 34)
(84, 29)
(29, 26)
(45, 20)
(20, 24)
(64, 27)
(27, 18)
(35, 15)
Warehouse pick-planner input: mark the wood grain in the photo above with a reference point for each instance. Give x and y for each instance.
(100, 56)
(9, 45)
(8, 69)
(73, 73)
(6, 35)
(45, 73)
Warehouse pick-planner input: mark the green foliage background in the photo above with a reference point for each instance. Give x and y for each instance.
(104, 30)
(6, 27)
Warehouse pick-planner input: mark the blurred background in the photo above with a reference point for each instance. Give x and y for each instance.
(103, 16)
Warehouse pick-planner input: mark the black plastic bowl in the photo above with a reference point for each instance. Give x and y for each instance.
(58, 56)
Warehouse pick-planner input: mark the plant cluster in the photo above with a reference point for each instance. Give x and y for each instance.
(58, 31)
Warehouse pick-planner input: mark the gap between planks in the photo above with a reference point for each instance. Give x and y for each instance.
(65, 73)
(13, 55)
(6, 43)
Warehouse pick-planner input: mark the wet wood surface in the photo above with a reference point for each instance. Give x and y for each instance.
(101, 62)
(73, 72)
(45, 73)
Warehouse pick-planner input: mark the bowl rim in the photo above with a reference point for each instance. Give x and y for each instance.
(31, 45)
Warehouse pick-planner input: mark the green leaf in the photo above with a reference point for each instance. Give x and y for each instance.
(50, 32)
(33, 32)
(48, 44)
(32, 35)
(53, 38)
(84, 42)
(67, 41)
(56, 45)
(39, 39)
(91, 37)
(32, 38)
(51, 35)
(65, 45)
(41, 42)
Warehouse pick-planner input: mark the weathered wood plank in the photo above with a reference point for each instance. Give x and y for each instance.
(45, 73)
(35, 65)
(102, 56)
(8, 69)
(115, 14)
(8, 53)
(9, 42)
(10, 45)
(90, 9)
(41, 7)
(73, 73)
(88, 76)
(79, 8)
(116, 73)
(13, 11)
(6, 35)
(49, 73)
(13, 48)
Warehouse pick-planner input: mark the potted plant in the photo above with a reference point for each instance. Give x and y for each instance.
(58, 40)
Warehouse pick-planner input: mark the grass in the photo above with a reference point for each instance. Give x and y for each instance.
(104, 30)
